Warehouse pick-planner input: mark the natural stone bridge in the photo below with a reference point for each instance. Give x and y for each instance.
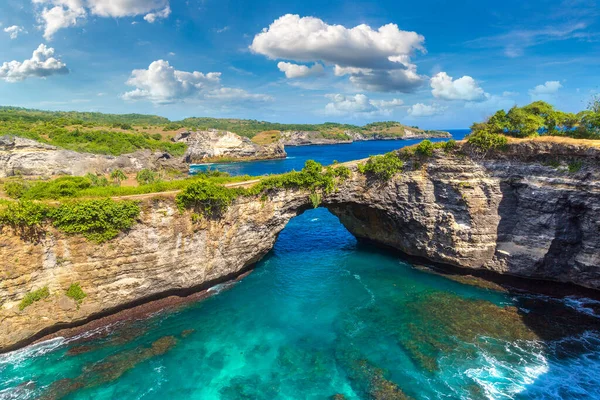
(509, 214)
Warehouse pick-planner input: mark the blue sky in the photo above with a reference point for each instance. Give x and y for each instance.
(429, 63)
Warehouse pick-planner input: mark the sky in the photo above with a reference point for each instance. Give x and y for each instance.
(434, 64)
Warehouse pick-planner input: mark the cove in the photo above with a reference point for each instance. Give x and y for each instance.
(325, 315)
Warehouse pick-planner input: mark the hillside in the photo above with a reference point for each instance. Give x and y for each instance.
(117, 134)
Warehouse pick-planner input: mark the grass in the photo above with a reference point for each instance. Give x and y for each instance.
(34, 296)
(76, 293)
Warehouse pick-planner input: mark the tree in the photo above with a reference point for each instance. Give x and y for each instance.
(118, 176)
(145, 177)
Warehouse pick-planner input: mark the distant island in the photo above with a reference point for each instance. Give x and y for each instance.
(36, 142)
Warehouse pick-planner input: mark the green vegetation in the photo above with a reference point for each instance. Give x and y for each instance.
(383, 167)
(68, 186)
(425, 148)
(210, 199)
(117, 177)
(34, 296)
(76, 293)
(206, 197)
(146, 177)
(540, 118)
(97, 220)
(315, 199)
(575, 166)
(24, 217)
(485, 141)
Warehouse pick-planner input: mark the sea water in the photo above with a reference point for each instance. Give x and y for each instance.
(322, 316)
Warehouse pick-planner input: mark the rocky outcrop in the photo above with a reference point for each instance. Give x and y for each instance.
(305, 138)
(511, 213)
(214, 145)
(20, 156)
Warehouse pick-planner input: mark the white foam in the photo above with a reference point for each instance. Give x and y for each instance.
(16, 357)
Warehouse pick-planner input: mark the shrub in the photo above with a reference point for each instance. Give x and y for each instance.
(383, 167)
(315, 199)
(96, 220)
(67, 186)
(97, 181)
(25, 217)
(575, 166)
(117, 176)
(425, 148)
(156, 136)
(206, 197)
(15, 189)
(448, 146)
(34, 296)
(485, 141)
(145, 177)
(76, 293)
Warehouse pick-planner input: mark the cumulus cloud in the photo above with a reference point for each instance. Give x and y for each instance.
(162, 14)
(41, 64)
(374, 59)
(54, 15)
(420, 110)
(465, 88)
(359, 104)
(14, 31)
(300, 71)
(161, 83)
(548, 88)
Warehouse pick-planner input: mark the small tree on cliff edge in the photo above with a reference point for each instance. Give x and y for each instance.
(117, 176)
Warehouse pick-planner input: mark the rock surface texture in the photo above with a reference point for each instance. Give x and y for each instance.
(213, 145)
(508, 213)
(20, 156)
(304, 138)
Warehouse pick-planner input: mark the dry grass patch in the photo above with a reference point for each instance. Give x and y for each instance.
(557, 139)
(267, 137)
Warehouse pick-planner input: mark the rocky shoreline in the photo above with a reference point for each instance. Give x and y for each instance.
(510, 213)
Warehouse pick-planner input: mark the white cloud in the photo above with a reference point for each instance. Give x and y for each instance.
(14, 31)
(423, 110)
(548, 88)
(300, 71)
(41, 64)
(374, 59)
(465, 88)
(162, 14)
(162, 84)
(223, 29)
(54, 15)
(236, 95)
(359, 104)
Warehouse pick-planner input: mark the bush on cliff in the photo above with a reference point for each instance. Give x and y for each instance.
(76, 293)
(97, 220)
(382, 167)
(34, 296)
(206, 197)
(485, 141)
(24, 217)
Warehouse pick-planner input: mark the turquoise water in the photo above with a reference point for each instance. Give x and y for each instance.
(323, 315)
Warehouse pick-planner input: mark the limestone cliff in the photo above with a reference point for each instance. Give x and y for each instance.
(531, 211)
(215, 145)
(305, 138)
(20, 156)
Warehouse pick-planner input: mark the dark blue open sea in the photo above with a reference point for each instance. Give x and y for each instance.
(323, 315)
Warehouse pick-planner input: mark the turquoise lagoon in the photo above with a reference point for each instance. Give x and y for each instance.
(324, 315)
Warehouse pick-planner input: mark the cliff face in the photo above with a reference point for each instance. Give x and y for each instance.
(305, 138)
(211, 145)
(19, 156)
(506, 213)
